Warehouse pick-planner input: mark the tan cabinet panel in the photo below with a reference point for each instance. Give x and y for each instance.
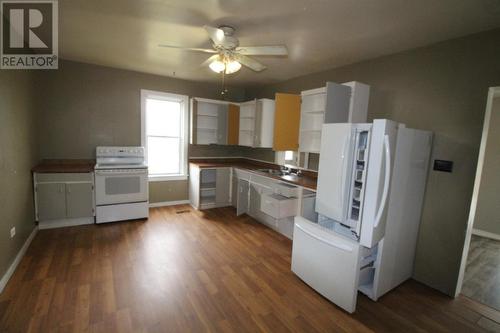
(51, 201)
(233, 121)
(79, 200)
(286, 122)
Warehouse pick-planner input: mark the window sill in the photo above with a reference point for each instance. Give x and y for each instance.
(159, 178)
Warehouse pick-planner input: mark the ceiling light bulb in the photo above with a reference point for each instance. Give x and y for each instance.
(217, 66)
(232, 67)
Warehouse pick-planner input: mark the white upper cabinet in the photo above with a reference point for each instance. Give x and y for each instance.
(209, 121)
(335, 103)
(312, 117)
(257, 123)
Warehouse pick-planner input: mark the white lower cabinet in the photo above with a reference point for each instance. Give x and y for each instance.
(267, 200)
(210, 187)
(64, 199)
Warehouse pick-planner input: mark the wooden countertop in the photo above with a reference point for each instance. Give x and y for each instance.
(308, 179)
(64, 166)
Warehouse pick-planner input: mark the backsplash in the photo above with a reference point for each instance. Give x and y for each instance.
(263, 154)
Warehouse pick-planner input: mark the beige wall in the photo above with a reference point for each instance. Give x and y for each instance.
(17, 156)
(441, 88)
(488, 202)
(84, 106)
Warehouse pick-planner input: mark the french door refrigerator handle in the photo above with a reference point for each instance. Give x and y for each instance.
(324, 240)
(387, 150)
(344, 158)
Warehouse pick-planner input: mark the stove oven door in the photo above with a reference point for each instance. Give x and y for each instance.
(121, 186)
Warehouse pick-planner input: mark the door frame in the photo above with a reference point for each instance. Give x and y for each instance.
(493, 92)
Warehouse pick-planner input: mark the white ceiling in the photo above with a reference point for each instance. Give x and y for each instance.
(319, 34)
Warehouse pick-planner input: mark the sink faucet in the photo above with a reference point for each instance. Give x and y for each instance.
(285, 170)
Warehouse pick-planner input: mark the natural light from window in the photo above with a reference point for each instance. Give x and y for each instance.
(164, 134)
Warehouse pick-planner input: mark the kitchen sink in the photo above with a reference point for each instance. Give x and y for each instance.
(273, 172)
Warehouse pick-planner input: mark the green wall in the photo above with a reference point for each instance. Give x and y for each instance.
(442, 88)
(84, 106)
(17, 156)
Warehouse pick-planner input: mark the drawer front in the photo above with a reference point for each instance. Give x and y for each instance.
(278, 207)
(287, 190)
(64, 177)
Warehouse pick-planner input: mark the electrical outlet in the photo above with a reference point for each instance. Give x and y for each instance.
(12, 232)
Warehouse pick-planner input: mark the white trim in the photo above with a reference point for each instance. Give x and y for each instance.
(214, 101)
(61, 223)
(10, 271)
(486, 234)
(168, 203)
(154, 178)
(315, 91)
(492, 93)
(184, 135)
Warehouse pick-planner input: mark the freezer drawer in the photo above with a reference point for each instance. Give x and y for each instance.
(327, 262)
(278, 206)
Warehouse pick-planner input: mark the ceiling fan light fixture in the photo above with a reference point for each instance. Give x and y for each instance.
(232, 67)
(217, 66)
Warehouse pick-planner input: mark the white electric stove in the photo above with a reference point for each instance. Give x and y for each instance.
(121, 184)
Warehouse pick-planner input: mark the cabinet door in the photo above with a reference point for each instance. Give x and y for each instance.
(338, 100)
(51, 201)
(194, 187)
(242, 204)
(233, 124)
(286, 122)
(222, 125)
(79, 200)
(264, 123)
(194, 121)
(234, 191)
(222, 185)
(258, 125)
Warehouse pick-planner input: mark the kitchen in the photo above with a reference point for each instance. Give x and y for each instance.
(68, 113)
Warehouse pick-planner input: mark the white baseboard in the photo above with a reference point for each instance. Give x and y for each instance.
(486, 234)
(168, 203)
(6, 277)
(51, 224)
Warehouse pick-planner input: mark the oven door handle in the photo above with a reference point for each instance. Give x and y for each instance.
(111, 173)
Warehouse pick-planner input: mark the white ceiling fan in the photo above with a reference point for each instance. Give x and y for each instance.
(228, 55)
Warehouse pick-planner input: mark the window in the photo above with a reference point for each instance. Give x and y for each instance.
(286, 157)
(164, 121)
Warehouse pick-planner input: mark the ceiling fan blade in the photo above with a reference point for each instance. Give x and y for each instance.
(215, 34)
(273, 50)
(209, 60)
(188, 48)
(250, 63)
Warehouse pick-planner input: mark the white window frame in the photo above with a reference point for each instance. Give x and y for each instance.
(184, 135)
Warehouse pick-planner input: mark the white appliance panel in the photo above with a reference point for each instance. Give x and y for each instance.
(327, 262)
(334, 171)
(410, 170)
(378, 181)
(128, 211)
(121, 186)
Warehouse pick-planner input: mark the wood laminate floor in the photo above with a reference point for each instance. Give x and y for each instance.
(185, 270)
(482, 273)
